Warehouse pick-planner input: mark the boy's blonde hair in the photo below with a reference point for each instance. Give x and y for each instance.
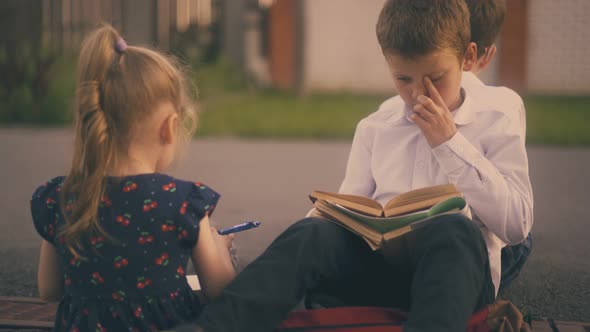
(117, 87)
(417, 27)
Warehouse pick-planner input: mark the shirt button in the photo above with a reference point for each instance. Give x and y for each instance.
(420, 164)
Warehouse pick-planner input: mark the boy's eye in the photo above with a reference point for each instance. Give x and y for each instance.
(435, 79)
(403, 79)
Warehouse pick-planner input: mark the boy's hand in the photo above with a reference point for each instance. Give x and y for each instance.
(433, 117)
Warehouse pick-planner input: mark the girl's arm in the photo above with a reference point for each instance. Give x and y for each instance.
(212, 260)
(49, 275)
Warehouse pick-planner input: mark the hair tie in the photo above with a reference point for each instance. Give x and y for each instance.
(120, 45)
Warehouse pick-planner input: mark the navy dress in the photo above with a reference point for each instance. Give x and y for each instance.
(132, 279)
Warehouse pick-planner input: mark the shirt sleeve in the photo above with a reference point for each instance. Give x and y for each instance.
(358, 179)
(199, 202)
(496, 182)
(45, 208)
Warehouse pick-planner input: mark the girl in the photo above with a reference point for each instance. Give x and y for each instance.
(117, 233)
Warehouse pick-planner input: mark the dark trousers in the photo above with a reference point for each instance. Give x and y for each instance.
(440, 274)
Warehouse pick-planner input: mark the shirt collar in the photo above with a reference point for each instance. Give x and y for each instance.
(470, 78)
(462, 115)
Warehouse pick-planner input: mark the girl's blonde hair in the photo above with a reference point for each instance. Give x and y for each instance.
(117, 87)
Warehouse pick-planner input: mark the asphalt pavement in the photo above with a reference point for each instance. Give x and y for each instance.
(270, 180)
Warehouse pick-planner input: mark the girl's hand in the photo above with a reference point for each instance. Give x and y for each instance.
(212, 261)
(225, 241)
(433, 117)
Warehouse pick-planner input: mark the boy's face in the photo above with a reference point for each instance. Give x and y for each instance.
(442, 67)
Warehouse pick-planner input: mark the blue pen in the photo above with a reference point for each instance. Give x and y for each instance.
(239, 227)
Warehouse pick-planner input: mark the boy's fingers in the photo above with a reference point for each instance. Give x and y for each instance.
(423, 111)
(425, 103)
(419, 120)
(433, 92)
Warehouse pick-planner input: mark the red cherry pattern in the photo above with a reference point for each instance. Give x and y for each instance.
(143, 282)
(168, 226)
(74, 261)
(162, 260)
(171, 187)
(118, 296)
(129, 186)
(145, 237)
(97, 241)
(97, 278)
(69, 205)
(50, 230)
(50, 202)
(137, 312)
(182, 233)
(123, 220)
(148, 205)
(120, 262)
(183, 207)
(179, 271)
(105, 202)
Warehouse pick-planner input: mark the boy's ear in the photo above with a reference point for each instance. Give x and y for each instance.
(168, 129)
(470, 57)
(487, 57)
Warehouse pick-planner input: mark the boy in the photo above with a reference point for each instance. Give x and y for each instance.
(432, 133)
(486, 19)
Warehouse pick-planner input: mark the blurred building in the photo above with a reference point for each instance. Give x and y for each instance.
(143, 22)
(330, 45)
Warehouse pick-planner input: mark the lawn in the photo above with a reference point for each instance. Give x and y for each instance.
(229, 107)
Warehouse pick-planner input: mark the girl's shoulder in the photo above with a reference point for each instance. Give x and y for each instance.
(49, 188)
(45, 207)
(159, 183)
(162, 186)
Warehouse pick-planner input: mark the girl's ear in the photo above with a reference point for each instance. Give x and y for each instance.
(168, 129)
(470, 57)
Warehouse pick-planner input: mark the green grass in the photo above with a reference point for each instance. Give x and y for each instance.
(231, 108)
(558, 120)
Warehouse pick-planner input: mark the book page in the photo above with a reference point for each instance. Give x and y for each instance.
(422, 204)
(417, 195)
(358, 203)
(372, 237)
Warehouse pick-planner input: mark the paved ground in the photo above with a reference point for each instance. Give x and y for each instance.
(269, 181)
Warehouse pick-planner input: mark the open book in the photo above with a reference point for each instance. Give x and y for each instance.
(404, 213)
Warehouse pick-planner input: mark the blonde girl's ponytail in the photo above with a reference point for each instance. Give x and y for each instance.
(118, 87)
(94, 151)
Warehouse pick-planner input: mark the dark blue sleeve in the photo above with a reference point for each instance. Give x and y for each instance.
(45, 208)
(199, 202)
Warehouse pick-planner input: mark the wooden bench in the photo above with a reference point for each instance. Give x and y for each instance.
(33, 313)
(26, 313)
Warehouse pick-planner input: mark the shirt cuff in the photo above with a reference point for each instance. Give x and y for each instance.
(456, 154)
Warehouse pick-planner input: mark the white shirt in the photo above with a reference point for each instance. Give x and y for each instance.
(486, 160)
(470, 80)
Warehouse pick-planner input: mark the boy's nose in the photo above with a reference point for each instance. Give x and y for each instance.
(418, 90)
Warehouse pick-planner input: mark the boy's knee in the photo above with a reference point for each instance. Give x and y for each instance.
(323, 230)
(454, 228)
(453, 223)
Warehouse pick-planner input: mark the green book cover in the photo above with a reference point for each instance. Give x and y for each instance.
(388, 224)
